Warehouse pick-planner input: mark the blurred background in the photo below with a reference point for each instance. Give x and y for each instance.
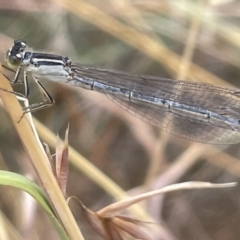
(180, 39)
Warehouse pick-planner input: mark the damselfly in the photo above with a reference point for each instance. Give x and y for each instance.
(195, 111)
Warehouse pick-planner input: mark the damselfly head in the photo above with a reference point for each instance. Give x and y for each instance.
(15, 54)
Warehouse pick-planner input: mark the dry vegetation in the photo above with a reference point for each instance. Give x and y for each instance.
(191, 40)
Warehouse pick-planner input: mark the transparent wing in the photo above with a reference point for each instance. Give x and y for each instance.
(222, 101)
(188, 128)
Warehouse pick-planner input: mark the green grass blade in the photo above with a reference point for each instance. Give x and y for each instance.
(18, 181)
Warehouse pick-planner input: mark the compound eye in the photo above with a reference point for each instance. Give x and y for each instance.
(20, 44)
(13, 60)
(14, 56)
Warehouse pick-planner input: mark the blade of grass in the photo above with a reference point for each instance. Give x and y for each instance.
(122, 205)
(20, 182)
(39, 160)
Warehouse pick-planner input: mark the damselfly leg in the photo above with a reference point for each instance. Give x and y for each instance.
(47, 98)
(47, 101)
